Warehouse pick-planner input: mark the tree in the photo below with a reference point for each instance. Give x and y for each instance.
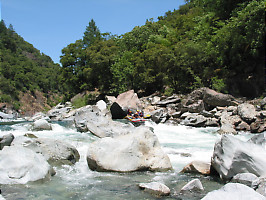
(91, 34)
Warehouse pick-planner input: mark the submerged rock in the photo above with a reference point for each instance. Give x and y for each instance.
(133, 152)
(234, 191)
(19, 165)
(155, 188)
(232, 156)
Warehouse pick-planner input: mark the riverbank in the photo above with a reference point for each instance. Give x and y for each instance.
(99, 146)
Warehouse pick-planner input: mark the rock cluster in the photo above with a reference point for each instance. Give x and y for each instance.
(205, 107)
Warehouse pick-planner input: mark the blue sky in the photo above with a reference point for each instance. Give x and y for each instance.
(51, 25)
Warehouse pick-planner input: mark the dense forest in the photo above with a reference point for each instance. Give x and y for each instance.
(216, 44)
(205, 43)
(23, 68)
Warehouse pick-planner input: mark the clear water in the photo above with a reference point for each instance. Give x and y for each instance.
(182, 144)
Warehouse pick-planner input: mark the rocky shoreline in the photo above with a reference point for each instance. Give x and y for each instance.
(121, 147)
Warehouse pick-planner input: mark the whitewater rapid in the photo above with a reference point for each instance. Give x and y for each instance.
(182, 144)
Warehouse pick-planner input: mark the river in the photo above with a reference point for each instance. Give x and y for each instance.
(182, 144)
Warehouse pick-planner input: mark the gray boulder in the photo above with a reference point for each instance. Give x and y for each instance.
(6, 140)
(214, 98)
(192, 186)
(59, 112)
(195, 120)
(19, 165)
(91, 118)
(247, 112)
(132, 152)
(228, 123)
(169, 100)
(245, 178)
(55, 152)
(234, 191)
(129, 100)
(232, 156)
(196, 107)
(41, 125)
(155, 188)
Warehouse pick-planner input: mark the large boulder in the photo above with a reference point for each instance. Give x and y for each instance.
(245, 178)
(19, 165)
(91, 118)
(133, 152)
(234, 191)
(129, 100)
(41, 125)
(247, 112)
(232, 156)
(155, 188)
(214, 98)
(117, 111)
(6, 140)
(56, 152)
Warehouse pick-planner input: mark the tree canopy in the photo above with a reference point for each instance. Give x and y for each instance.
(23, 68)
(217, 44)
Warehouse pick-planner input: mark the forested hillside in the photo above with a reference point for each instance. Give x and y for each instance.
(217, 44)
(23, 68)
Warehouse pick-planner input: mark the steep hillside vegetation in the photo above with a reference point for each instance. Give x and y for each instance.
(23, 69)
(218, 44)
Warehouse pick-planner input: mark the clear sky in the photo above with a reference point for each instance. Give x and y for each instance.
(50, 25)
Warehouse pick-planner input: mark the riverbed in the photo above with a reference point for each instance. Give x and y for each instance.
(182, 144)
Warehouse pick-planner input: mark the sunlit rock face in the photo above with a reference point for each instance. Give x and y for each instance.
(133, 152)
(232, 156)
(19, 165)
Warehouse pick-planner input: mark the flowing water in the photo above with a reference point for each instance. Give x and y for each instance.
(182, 144)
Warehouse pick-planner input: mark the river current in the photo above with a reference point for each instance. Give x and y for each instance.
(182, 144)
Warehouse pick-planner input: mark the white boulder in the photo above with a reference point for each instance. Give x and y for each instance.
(245, 178)
(232, 156)
(155, 188)
(192, 186)
(41, 125)
(56, 152)
(19, 165)
(138, 151)
(235, 191)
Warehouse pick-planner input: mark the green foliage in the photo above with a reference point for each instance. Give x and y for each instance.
(217, 44)
(22, 67)
(80, 101)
